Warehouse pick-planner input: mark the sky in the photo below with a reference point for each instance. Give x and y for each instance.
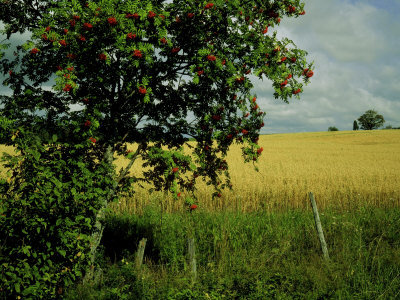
(355, 47)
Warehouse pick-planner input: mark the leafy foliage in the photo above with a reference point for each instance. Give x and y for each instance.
(153, 73)
(48, 208)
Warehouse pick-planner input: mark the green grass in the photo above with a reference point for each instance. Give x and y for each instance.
(250, 256)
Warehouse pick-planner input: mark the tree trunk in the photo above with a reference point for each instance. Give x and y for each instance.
(98, 227)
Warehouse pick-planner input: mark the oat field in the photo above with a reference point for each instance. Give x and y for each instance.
(344, 169)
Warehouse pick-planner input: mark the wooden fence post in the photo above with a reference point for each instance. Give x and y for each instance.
(140, 253)
(192, 258)
(319, 227)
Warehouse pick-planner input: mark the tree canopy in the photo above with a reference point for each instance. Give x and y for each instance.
(151, 71)
(96, 75)
(371, 120)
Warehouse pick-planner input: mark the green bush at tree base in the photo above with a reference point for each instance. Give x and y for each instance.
(47, 213)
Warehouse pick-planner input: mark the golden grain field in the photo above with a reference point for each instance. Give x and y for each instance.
(344, 170)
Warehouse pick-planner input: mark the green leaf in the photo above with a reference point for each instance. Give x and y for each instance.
(36, 155)
(29, 290)
(62, 252)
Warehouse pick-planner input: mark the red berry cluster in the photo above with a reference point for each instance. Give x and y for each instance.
(137, 53)
(142, 90)
(131, 36)
(102, 56)
(308, 73)
(35, 51)
(175, 50)
(297, 91)
(291, 9)
(87, 26)
(151, 15)
(130, 16)
(112, 21)
(67, 88)
(209, 5)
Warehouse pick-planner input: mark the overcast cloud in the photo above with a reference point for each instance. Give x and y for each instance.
(355, 46)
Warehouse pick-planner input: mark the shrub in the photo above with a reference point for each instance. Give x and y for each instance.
(47, 213)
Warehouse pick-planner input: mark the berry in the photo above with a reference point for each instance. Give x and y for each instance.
(137, 53)
(112, 21)
(151, 15)
(209, 5)
(142, 90)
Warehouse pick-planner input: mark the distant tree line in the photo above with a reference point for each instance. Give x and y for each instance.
(370, 120)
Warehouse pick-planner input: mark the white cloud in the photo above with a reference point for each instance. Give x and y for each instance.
(357, 66)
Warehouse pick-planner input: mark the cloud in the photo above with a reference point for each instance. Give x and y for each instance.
(356, 66)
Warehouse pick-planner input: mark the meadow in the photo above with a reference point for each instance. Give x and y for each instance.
(259, 241)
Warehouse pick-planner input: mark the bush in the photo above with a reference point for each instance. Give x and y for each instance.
(48, 208)
(333, 128)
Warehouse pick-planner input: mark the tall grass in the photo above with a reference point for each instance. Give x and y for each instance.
(251, 256)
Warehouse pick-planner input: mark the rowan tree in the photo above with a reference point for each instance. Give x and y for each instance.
(151, 73)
